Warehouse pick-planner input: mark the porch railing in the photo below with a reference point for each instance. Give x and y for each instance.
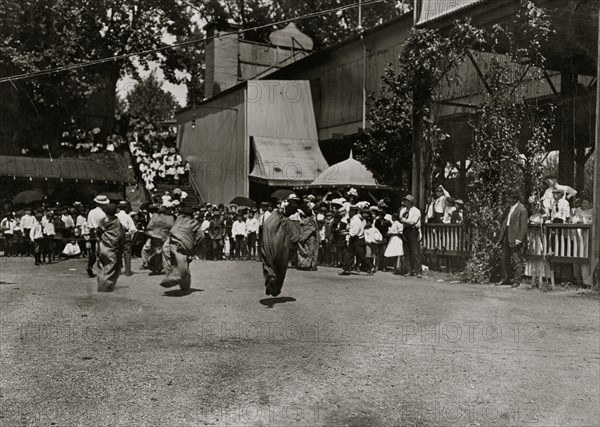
(446, 239)
(553, 243)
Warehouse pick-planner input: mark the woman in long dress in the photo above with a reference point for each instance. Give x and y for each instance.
(308, 243)
(395, 247)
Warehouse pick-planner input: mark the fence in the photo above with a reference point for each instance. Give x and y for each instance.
(552, 243)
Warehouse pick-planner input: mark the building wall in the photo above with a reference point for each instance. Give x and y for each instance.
(336, 77)
(216, 147)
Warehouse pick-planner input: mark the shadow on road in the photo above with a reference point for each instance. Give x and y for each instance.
(179, 293)
(270, 302)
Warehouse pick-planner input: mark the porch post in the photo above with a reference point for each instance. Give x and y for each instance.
(595, 248)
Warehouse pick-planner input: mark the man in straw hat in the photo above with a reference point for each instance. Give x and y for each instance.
(179, 250)
(93, 223)
(130, 230)
(111, 238)
(513, 235)
(410, 217)
(356, 244)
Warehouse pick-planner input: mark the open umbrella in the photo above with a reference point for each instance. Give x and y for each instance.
(242, 201)
(28, 197)
(114, 196)
(281, 194)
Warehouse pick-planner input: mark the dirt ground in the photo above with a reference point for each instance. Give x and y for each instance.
(331, 351)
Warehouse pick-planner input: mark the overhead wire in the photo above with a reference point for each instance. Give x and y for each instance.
(115, 58)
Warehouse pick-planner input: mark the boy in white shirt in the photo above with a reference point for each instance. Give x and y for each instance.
(238, 231)
(252, 233)
(37, 236)
(560, 211)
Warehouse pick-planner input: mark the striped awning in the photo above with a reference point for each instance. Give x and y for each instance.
(430, 10)
(61, 169)
(286, 162)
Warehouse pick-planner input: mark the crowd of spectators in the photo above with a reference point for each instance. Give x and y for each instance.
(156, 157)
(444, 208)
(82, 141)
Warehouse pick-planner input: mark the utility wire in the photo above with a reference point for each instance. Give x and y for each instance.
(24, 76)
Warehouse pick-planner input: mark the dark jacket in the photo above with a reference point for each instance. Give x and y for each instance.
(383, 225)
(517, 230)
(217, 229)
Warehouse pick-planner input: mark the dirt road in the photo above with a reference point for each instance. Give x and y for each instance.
(333, 351)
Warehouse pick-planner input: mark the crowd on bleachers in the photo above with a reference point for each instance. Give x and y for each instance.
(156, 157)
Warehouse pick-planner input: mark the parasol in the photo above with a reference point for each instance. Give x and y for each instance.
(243, 201)
(282, 194)
(28, 197)
(114, 196)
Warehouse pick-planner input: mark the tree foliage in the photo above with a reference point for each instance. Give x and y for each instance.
(185, 65)
(148, 101)
(42, 34)
(406, 94)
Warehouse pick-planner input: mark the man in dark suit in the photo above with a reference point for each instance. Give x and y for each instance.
(513, 237)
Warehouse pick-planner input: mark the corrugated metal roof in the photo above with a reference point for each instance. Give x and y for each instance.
(68, 169)
(287, 162)
(431, 10)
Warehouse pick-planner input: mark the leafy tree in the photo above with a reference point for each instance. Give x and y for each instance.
(148, 101)
(42, 34)
(324, 30)
(185, 65)
(329, 29)
(405, 101)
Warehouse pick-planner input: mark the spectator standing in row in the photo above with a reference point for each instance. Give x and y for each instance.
(560, 211)
(395, 247)
(410, 217)
(93, 223)
(49, 231)
(252, 226)
(130, 229)
(548, 197)
(437, 208)
(36, 235)
(238, 232)
(356, 243)
(513, 235)
(8, 225)
(27, 221)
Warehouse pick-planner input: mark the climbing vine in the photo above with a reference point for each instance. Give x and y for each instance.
(510, 136)
(405, 100)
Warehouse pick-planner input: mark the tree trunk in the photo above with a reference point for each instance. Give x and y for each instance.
(421, 167)
(112, 77)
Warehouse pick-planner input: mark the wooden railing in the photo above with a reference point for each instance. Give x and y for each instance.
(547, 244)
(446, 239)
(565, 243)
